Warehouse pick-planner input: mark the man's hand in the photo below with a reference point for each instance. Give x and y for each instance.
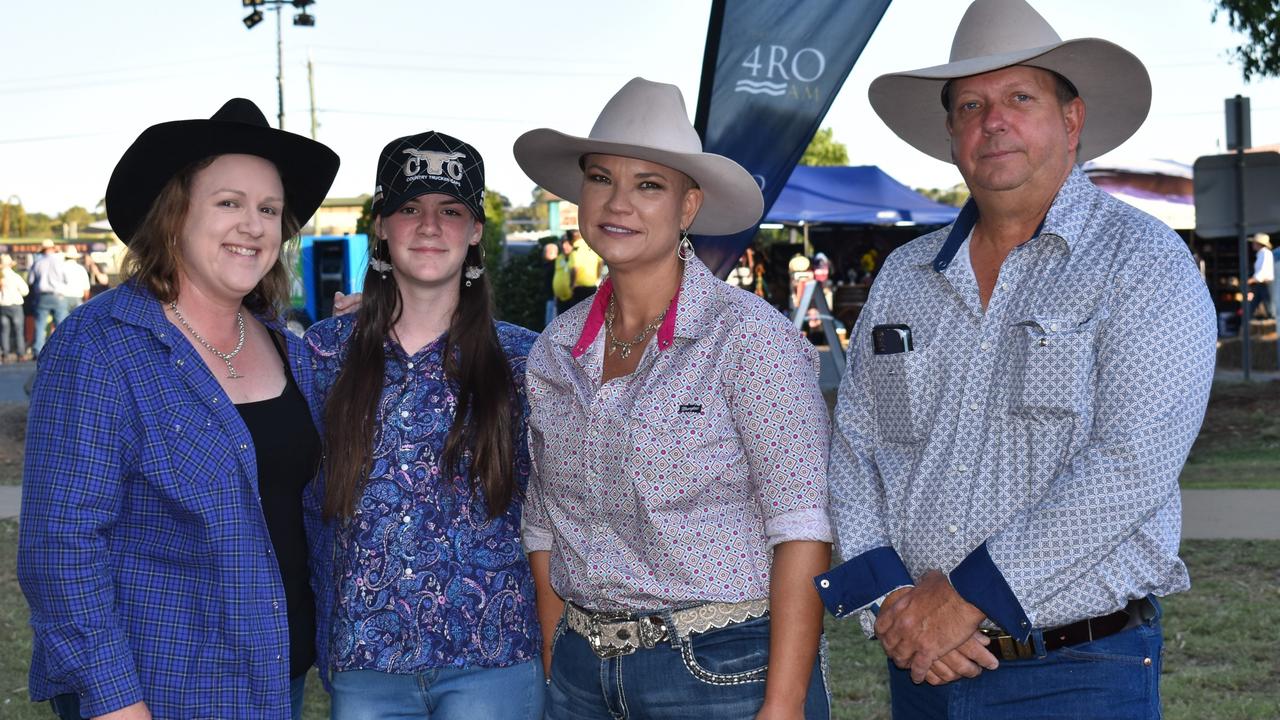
(968, 660)
(922, 625)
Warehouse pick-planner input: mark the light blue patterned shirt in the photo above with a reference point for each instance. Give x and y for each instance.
(1031, 450)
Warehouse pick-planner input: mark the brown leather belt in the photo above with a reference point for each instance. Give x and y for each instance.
(1005, 647)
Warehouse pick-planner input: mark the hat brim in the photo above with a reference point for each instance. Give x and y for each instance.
(1112, 81)
(731, 203)
(307, 168)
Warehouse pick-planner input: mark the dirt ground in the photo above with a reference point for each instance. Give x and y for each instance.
(13, 433)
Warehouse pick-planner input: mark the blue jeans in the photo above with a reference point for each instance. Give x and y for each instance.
(506, 693)
(714, 675)
(48, 305)
(13, 331)
(1115, 678)
(67, 707)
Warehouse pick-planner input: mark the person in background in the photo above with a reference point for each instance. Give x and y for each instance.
(165, 491)
(99, 281)
(1023, 387)
(742, 275)
(47, 279)
(1263, 277)
(75, 289)
(13, 293)
(427, 606)
(587, 267)
(677, 509)
(550, 253)
(562, 280)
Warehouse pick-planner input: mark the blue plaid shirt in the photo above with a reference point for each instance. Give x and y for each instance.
(143, 550)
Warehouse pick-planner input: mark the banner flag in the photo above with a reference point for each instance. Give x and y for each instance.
(769, 74)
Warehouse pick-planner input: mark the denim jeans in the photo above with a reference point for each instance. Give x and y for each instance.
(714, 675)
(13, 331)
(67, 707)
(1115, 678)
(506, 693)
(48, 305)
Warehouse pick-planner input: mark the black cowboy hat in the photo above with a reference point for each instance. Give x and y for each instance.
(306, 167)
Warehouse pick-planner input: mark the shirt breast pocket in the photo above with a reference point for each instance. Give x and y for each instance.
(681, 451)
(904, 391)
(1052, 363)
(196, 449)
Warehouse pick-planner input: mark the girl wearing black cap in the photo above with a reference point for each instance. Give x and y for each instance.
(433, 611)
(170, 446)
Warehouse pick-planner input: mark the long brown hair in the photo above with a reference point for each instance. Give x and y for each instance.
(480, 438)
(153, 259)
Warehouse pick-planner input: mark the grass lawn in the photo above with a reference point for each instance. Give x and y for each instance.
(1220, 658)
(1239, 444)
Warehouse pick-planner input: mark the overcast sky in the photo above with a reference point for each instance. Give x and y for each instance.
(82, 79)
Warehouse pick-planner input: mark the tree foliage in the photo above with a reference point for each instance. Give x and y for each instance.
(824, 150)
(955, 196)
(1259, 22)
(495, 218)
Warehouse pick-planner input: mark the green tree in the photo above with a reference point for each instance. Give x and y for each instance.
(495, 218)
(824, 150)
(364, 223)
(1259, 22)
(76, 214)
(956, 195)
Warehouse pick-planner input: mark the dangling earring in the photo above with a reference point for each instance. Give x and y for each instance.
(473, 272)
(381, 266)
(684, 250)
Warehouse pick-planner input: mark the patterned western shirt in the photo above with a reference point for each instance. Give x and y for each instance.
(1032, 450)
(143, 550)
(424, 578)
(670, 486)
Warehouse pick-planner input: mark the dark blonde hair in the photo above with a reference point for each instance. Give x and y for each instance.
(154, 262)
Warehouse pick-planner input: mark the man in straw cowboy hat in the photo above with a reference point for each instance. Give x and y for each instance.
(1008, 441)
(1264, 274)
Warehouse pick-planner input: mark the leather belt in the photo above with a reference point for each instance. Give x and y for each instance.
(613, 634)
(1005, 647)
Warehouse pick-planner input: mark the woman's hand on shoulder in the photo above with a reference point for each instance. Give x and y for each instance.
(345, 304)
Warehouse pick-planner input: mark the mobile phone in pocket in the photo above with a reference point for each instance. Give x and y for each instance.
(891, 339)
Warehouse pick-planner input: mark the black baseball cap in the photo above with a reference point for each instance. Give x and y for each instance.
(429, 162)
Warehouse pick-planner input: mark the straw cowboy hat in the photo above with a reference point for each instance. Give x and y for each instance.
(996, 34)
(306, 167)
(1262, 239)
(648, 121)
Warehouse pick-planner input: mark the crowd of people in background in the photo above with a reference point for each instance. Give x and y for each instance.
(56, 282)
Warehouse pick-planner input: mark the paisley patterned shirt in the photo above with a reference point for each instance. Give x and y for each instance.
(1031, 448)
(670, 486)
(424, 578)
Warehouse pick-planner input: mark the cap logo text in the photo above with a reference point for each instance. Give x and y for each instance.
(437, 163)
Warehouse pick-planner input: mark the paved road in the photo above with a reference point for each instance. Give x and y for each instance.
(12, 379)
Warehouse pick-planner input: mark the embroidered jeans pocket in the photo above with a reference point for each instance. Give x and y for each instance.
(732, 655)
(1052, 368)
(904, 391)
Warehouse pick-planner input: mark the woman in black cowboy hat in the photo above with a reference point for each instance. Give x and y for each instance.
(169, 445)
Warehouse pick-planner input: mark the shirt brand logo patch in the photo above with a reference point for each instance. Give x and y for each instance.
(690, 408)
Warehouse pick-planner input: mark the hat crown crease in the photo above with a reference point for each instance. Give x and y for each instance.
(653, 115)
(998, 27)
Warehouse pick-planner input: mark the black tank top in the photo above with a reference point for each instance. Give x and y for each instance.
(288, 453)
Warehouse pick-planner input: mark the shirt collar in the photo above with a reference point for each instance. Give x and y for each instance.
(1061, 221)
(133, 303)
(689, 315)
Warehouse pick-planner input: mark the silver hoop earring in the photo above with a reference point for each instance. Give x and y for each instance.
(684, 250)
(473, 272)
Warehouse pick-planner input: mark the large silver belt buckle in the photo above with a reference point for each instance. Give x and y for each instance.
(595, 635)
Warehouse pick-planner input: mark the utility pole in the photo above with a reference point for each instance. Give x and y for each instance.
(279, 69)
(311, 89)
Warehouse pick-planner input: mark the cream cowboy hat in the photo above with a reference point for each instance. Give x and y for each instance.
(1262, 239)
(648, 121)
(996, 34)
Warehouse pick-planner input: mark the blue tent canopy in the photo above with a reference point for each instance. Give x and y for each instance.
(858, 195)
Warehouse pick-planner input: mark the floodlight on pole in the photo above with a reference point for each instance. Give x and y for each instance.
(302, 19)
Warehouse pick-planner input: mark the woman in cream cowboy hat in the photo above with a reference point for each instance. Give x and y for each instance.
(679, 441)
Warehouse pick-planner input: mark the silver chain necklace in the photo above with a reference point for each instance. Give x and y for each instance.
(623, 347)
(225, 357)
